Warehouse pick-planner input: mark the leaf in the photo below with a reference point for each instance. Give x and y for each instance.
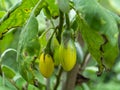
(2, 13)
(64, 5)
(53, 8)
(6, 41)
(79, 52)
(28, 48)
(17, 15)
(9, 73)
(7, 85)
(94, 41)
(26, 71)
(32, 87)
(100, 31)
(112, 5)
(4, 88)
(28, 42)
(8, 58)
(20, 82)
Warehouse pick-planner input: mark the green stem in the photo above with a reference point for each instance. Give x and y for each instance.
(44, 33)
(52, 22)
(47, 48)
(58, 78)
(61, 21)
(67, 21)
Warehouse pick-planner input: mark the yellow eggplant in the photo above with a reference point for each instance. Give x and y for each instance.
(46, 65)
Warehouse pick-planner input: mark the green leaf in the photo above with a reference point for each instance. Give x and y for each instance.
(113, 5)
(31, 87)
(26, 71)
(2, 13)
(47, 12)
(94, 42)
(20, 82)
(64, 5)
(6, 41)
(53, 8)
(5, 84)
(28, 42)
(40, 79)
(79, 52)
(8, 58)
(28, 48)
(9, 73)
(100, 31)
(4, 88)
(18, 14)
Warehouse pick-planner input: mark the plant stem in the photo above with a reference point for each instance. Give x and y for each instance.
(48, 84)
(61, 21)
(47, 48)
(85, 62)
(71, 78)
(58, 78)
(67, 21)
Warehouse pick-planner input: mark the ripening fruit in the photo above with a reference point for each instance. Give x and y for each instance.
(46, 65)
(68, 55)
(56, 56)
(55, 49)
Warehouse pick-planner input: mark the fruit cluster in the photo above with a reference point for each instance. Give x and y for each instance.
(64, 54)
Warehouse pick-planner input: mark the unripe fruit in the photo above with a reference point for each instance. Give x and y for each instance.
(68, 55)
(55, 49)
(46, 65)
(57, 56)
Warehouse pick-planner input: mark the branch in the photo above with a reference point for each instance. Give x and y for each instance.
(58, 78)
(85, 62)
(67, 21)
(48, 84)
(61, 21)
(71, 78)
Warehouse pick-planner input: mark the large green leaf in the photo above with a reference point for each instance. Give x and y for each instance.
(113, 5)
(94, 42)
(28, 48)
(17, 15)
(100, 31)
(28, 39)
